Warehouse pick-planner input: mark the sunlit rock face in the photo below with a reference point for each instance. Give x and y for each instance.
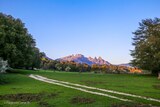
(79, 58)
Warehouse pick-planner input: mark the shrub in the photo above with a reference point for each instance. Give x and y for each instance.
(67, 68)
(3, 65)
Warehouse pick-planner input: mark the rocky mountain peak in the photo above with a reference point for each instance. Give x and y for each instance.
(79, 58)
(100, 58)
(79, 55)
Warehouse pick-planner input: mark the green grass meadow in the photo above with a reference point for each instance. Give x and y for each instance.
(57, 96)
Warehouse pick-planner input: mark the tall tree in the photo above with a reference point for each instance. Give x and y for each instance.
(16, 44)
(146, 53)
(36, 58)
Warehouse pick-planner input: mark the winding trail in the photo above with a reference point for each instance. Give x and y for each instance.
(84, 89)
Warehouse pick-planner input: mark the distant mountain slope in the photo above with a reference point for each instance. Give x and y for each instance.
(82, 59)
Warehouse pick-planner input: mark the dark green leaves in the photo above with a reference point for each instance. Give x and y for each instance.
(16, 44)
(147, 45)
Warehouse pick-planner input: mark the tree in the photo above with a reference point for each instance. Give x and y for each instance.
(16, 44)
(67, 68)
(146, 54)
(95, 68)
(36, 58)
(59, 66)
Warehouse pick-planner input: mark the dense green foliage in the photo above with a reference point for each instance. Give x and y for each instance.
(147, 45)
(17, 46)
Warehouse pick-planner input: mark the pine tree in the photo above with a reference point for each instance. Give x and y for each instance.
(146, 54)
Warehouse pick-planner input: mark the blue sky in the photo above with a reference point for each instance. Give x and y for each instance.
(89, 27)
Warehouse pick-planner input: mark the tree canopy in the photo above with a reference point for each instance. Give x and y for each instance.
(146, 54)
(16, 44)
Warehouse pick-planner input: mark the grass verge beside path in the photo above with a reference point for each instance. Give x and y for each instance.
(144, 85)
(93, 90)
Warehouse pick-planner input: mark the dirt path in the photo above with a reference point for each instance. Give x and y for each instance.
(84, 89)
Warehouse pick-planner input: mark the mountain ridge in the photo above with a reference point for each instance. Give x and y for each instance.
(79, 58)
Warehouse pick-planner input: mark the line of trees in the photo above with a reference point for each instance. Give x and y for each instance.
(78, 67)
(64, 66)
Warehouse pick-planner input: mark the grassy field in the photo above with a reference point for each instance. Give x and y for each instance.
(17, 89)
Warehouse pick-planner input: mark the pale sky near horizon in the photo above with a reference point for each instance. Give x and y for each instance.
(89, 27)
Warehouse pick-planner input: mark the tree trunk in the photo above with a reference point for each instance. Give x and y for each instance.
(159, 75)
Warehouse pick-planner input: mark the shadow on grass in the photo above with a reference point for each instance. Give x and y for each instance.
(3, 80)
(24, 71)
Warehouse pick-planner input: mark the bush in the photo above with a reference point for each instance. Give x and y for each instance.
(3, 65)
(67, 68)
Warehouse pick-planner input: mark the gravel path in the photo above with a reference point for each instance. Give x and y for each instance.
(84, 89)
